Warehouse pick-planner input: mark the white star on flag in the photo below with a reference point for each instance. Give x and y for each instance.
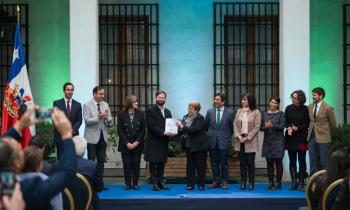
(15, 55)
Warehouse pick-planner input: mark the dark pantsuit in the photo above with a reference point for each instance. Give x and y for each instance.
(293, 155)
(316, 151)
(196, 163)
(219, 164)
(98, 152)
(271, 162)
(157, 172)
(247, 164)
(131, 165)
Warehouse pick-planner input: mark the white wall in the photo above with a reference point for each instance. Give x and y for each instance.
(294, 53)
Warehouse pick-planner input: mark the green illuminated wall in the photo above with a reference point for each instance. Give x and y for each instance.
(326, 40)
(49, 49)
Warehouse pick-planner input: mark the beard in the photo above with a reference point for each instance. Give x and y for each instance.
(160, 103)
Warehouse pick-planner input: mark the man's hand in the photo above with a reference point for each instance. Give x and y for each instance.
(135, 144)
(25, 121)
(129, 146)
(62, 124)
(15, 202)
(169, 134)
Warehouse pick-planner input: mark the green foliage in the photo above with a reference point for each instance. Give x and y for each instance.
(112, 141)
(175, 149)
(341, 137)
(45, 129)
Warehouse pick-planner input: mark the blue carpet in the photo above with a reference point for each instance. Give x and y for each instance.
(116, 191)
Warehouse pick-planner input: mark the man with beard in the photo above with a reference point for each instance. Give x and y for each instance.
(156, 147)
(322, 119)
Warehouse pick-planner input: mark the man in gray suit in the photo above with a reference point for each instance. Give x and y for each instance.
(97, 115)
(219, 122)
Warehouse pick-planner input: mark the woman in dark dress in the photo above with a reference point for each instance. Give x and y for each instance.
(273, 124)
(131, 130)
(195, 143)
(297, 119)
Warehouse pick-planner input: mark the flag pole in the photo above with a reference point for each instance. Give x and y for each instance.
(18, 14)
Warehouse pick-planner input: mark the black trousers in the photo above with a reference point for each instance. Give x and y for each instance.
(98, 152)
(247, 164)
(301, 155)
(196, 164)
(131, 164)
(157, 172)
(271, 162)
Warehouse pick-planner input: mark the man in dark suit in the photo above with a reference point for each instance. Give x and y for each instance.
(37, 192)
(87, 168)
(156, 147)
(219, 123)
(73, 111)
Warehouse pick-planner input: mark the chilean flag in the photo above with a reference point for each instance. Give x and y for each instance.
(18, 96)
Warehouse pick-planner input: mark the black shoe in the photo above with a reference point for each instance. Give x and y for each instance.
(201, 188)
(271, 186)
(224, 186)
(243, 186)
(214, 185)
(155, 188)
(135, 187)
(127, 187)
(278, 186)
(162, 186)
(251, 186)
(105, 188)
(293, 186)
(189, 187)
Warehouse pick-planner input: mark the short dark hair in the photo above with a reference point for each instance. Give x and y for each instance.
(160, 92)
(38, 141)
(320, 91)
(96, 88)
(129, 100)
(221, 95)
(300, 95)
(33, 156)
(251, 100)
(7, 156)
(66, 84)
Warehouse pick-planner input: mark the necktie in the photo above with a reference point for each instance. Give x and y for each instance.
(315, 111)
(98, 108)
(218, 119)
(68, 108)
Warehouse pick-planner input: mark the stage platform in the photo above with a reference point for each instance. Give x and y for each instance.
(210, 199)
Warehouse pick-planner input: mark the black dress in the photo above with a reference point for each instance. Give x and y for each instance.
(273, 146)
(299, 117)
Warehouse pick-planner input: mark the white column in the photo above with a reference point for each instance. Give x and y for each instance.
(83, 48)
(294, 53)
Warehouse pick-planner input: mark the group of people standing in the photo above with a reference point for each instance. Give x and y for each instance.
(298, 129)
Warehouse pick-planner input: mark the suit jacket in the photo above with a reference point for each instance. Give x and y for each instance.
(325, 120)
(195, 134)
(222, 135)
(88, 169)
(37, 193)
(75, 116)
(254, 122)
(156, 145)
(129, 132)
(94, 125)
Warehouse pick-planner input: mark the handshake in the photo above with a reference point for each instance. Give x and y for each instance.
(61, 122)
